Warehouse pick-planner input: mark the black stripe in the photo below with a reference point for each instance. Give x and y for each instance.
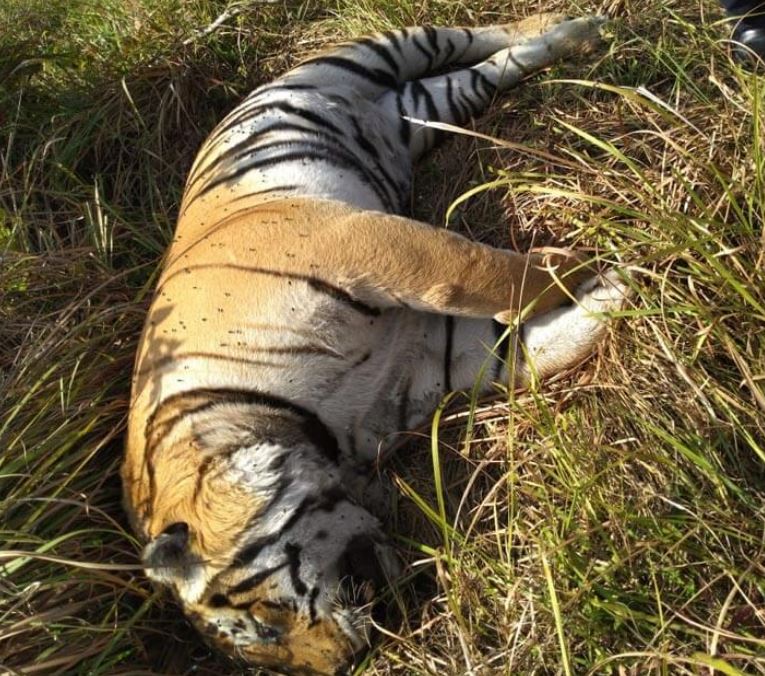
(246, 114)
(297, 349)
(404, 132)
(382, 52)
(420, 91)
(250, 551)
(266, 191)
(233, 153)
(321, 437)
(155, 437)
(201, 474)
(293, 558)
(449, 51)
(524, 71)
(330, 499)
(278, 462)
(249, 146)
(361, 360)
(279, 85)
(312, 426)
(312, 606)
(397, 189)
(338, 294)
(253, 581)
(315, 283)
(326, 503)
(281, 106)
(469, 103)
(457, 113)
(253, 109)
(448, 346)
(469, 36)
(374, 76)
(281, 488)
(321, 153)
(477, 93)
(168, 425)
(432, 35)
(325, 153)
(350, 439)
(212, 356)
(502, 351)
(489, 88)
(424, 51)
(388, 145)
(232, 215)
(363, 142)
(252, 98)
(391, 35)
(152, 472)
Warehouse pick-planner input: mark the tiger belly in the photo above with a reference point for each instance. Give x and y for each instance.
(414, 361)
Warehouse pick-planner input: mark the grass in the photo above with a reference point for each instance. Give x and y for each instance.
(610, 522)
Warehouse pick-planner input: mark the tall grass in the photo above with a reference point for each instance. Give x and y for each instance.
(609, 522)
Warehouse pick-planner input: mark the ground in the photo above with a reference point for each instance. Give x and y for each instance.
(608, 522)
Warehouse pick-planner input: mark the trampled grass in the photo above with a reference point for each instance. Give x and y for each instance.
(612, 521)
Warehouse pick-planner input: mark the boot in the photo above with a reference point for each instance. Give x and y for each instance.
(748, 31)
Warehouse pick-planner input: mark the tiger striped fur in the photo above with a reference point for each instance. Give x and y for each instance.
(300, 318)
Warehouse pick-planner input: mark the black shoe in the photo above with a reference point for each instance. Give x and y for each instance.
(749, 46)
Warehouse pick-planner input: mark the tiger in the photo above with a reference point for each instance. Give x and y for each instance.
(301, 317)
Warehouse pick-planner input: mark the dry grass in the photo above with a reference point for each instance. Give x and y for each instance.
(610, 522)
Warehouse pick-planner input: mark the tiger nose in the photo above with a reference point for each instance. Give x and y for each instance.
(178, 530)
(168, 558)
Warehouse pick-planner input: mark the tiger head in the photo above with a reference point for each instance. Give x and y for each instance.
(270, 558)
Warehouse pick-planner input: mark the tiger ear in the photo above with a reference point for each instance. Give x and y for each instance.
(166, 557)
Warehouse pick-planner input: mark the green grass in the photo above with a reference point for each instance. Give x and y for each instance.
(610, 522)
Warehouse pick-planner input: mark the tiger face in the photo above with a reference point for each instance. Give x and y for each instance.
(301, 604)
(305, 608)
(282, 576)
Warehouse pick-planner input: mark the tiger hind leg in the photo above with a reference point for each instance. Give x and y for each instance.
(456, 97)
(377, 63)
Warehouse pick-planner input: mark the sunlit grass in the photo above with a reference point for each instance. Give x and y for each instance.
(609, 522)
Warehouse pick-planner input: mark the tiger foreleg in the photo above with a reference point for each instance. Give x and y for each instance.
(391, 261)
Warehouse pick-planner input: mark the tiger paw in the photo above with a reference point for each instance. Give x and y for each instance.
(604, 293)
(567, 270)
(561, 338)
